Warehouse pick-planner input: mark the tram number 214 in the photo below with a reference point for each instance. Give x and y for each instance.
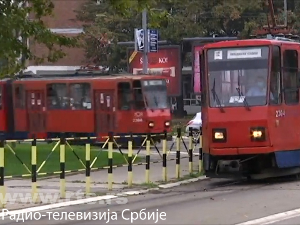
(280, 113)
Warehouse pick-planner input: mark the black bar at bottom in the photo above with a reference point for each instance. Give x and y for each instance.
(110, 164)
(62, 169)
(88, 169)
(164, 160)
(33, 176)
(147, 162)
(178, 157)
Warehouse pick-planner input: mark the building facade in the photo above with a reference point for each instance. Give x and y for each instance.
(63, 22)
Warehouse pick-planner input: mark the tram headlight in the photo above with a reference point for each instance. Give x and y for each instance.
(151, 124)
(167, 123)
(219, 135)
(258, 134)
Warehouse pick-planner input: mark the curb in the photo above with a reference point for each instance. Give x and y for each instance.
(183, 182)
(163, 186)
(98, 198)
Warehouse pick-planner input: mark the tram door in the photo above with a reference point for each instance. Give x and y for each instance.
(36, 111)
(104, 110)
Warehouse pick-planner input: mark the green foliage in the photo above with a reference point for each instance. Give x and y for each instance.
(105, 28)
(175, 20)
(16, 23)
(293, 15)
(125, 7)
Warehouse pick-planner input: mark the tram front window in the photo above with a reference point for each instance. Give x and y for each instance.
(139, 103)
(155, 93)
(236, 74)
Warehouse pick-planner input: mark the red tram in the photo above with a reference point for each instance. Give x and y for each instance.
(251, 110)
(81, 106)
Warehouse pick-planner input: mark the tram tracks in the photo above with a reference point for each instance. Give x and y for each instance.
(222, 186)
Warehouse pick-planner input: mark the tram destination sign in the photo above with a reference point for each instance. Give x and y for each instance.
(153, 82)
(244, 54)
(228, 54)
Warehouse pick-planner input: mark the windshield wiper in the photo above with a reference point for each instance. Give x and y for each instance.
(155, 101)
(241, 94)
(216, 97)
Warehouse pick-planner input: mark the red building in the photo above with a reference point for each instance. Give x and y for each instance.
(63, 22)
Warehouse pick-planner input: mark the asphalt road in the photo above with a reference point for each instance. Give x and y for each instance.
(204, 202)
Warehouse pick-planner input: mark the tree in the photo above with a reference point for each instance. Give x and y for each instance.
(114, 21)
(106, 25)
(109, 23)
(17, 26)
(293, 15)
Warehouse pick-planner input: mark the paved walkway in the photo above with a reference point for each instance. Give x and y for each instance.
(75, 184)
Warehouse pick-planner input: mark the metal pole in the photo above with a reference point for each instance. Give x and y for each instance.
(145, 53)
(285, 12)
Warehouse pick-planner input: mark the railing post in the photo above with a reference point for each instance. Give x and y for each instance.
(110, 160)
(2, 187)
(164, 146)
(178, 153)
(200, 151)
(62, 159)
(190, 150)
(88, 166)
(34, 192)
(148, 147)
(129, 181)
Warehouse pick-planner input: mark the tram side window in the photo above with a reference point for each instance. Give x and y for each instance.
(290, 76)
(139, 103)
(19, 97)
(80, 96)
(124, 96)
(57, 96)
(275, 81)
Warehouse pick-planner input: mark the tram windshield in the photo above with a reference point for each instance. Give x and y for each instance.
(238, 75)
(155, 93)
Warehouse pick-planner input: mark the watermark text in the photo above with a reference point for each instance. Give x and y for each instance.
(50, 198)
(107, 216)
